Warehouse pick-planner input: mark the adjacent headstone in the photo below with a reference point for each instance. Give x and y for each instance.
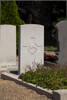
(7, 45)
(62, 38)
(31, 46)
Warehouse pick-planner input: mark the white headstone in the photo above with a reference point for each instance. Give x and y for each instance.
(62, 38)
(7, 45)
(31, 46)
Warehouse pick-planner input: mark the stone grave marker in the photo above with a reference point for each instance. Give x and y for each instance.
(7, 45)
(31, 46)
(62, 39)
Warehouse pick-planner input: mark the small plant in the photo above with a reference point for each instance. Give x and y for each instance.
(47, 77)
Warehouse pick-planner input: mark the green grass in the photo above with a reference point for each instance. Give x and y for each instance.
(50, 48)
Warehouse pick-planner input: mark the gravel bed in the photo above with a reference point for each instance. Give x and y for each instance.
(9, 90)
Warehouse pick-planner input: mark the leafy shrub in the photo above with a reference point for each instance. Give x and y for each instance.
(47, 77)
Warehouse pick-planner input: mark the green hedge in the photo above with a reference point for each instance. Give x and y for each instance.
(46, 77)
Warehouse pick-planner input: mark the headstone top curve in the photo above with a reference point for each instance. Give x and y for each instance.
(35, 25)
(61, 22)
(7, 25)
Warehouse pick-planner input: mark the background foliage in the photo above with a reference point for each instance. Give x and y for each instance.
(47, 13)
(9, 13)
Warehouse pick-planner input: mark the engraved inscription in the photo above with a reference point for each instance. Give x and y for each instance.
(32, 47)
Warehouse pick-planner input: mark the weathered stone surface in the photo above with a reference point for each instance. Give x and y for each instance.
(31, 46)
(62, 38)
(7, 45)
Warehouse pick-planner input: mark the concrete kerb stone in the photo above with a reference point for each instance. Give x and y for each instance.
(60, 94)
(54, 94)
(12, 77)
